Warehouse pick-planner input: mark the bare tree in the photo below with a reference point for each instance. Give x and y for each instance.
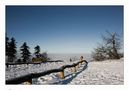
(99, 53)
(110, 49)
(112, 44)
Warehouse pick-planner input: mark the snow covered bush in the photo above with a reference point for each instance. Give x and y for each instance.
(41, 58)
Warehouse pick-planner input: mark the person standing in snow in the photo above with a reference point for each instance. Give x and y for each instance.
(81, 58)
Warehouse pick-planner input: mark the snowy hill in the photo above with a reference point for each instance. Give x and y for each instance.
(101, 73)
(97, 73)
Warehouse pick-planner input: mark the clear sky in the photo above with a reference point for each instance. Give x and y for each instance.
(62, 29)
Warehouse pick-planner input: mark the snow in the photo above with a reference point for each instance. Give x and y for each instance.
(19, 70)
(109, 72)
(102, 73)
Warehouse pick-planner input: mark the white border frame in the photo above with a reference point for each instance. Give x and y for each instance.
(63, 2)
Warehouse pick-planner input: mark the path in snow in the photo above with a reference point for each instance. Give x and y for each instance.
(54, 78)
(101, 73)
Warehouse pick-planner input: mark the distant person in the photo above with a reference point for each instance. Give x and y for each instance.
(81, 58)
(70, 60)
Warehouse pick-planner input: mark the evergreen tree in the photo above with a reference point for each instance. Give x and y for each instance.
(37, 51)
(12, 50)
(25, 52)
(7, 46)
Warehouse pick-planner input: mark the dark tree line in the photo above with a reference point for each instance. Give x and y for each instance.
(109, 49)
(11, 51)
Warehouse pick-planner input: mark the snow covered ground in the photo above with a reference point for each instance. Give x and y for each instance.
(96, 73)
(102, 73)
(19, 70)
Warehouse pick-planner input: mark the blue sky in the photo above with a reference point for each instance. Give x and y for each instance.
(62, 29)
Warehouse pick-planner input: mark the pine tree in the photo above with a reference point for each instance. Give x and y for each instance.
(37, 51)
(12, 50)
(7, 47)
(25, 52)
